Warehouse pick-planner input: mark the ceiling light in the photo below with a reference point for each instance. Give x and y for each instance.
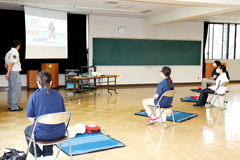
(124, 7)
(146, 11)
(111, 2)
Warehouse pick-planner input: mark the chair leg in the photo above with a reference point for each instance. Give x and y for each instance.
(164, 126)
(214, 99)
(223, 107)
(29, 145)
(70, 149)
(219, 103)
(34, 147)
(69, 145)
(152, 109)
(160, 116)
(59, 150)
(173, 118)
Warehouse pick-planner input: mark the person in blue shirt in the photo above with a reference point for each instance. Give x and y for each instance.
(214, 75)
(44, 101)
(165, 85)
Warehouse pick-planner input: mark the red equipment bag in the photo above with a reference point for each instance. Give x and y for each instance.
(92, 128)
(195, 97)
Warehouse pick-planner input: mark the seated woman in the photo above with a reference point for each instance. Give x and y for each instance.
(224, 77)
(214, 75)
(165, 85)
(44, 101)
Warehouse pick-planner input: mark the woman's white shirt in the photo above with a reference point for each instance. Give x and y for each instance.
(217, 87)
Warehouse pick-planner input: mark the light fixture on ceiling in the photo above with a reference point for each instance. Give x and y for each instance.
(107, 9)
(146, 11)
(124, 7)
(111, 2)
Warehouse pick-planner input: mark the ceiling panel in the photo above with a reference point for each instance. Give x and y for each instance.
(126, 8)
(93, 6)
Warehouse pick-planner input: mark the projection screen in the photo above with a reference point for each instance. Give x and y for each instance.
(46, 34)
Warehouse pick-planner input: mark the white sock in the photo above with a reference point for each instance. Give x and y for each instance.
(38, 158)
(48, 157)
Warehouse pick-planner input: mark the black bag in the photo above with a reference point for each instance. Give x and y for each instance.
(13, 154)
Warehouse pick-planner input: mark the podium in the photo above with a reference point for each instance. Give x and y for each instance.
(53, 69)
(32, 79)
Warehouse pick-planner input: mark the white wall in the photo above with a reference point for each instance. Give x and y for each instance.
(4, 82)
(233, 67)
(102, 26)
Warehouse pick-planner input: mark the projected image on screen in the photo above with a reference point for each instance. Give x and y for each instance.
(45, 31)
(46, 34)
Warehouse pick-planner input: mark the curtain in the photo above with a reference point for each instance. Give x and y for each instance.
(205, 32)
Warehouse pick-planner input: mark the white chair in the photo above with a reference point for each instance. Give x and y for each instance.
(169, 94)
(51, 119)
(215, 100)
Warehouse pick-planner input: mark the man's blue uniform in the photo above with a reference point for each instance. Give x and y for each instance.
(214, 72)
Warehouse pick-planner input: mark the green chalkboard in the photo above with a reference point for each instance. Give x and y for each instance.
(109, 51)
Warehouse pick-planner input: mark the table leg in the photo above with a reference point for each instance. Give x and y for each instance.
(81, 90)
(108, 86)
(116, 86)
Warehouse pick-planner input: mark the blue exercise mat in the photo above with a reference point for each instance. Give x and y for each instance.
(90, 142)
(188, 99)
(178, 116)
(196, 90)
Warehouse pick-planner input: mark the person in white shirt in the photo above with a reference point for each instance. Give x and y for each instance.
(13, 66)
(223, 77)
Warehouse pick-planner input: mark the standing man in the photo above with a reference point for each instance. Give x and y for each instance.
(214, 75)
(13, 66)
(51, 30)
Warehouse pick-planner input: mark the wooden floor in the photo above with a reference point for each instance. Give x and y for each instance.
(213, 135)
